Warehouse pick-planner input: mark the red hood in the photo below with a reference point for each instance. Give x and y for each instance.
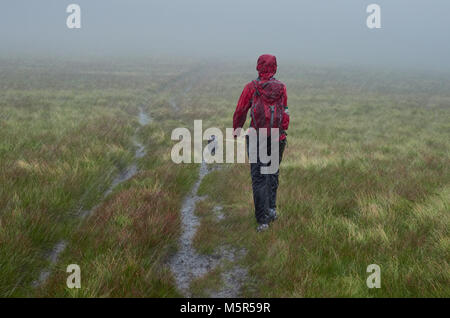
(266, 66)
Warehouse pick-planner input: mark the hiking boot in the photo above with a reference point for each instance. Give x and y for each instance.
(272, 215)
(262, 227)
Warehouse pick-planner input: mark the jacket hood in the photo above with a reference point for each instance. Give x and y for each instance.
(266, 66)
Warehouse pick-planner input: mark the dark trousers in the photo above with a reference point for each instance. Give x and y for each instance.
(264, 186)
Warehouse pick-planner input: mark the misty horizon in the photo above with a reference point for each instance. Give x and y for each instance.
(413, 34)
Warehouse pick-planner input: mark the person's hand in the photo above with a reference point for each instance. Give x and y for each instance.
(237, 132)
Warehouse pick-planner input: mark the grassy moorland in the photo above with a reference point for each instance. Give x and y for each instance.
(365, 179)
(65, 133)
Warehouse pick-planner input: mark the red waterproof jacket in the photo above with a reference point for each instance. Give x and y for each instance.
(266, 67)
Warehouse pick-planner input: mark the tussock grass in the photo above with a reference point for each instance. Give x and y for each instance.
(364, 179)
(62, 142)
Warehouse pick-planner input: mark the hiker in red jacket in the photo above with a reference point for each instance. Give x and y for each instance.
(266, 99)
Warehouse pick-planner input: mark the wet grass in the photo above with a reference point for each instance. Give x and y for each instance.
(60, 148)
(204, 285)
(54, 161)
(365, 179)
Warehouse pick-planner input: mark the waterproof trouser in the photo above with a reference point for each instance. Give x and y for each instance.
(264, 186)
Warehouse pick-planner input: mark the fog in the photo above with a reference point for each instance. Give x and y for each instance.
(414, 33)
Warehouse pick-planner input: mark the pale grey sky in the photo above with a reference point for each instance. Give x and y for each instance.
(414, 33)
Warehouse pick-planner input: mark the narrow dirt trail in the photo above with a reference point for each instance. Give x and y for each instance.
(53, 255)
(187, 264)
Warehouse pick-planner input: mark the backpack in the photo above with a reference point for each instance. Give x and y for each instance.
(267, 109)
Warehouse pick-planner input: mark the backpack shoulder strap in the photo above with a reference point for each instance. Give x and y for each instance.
(256, 88)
